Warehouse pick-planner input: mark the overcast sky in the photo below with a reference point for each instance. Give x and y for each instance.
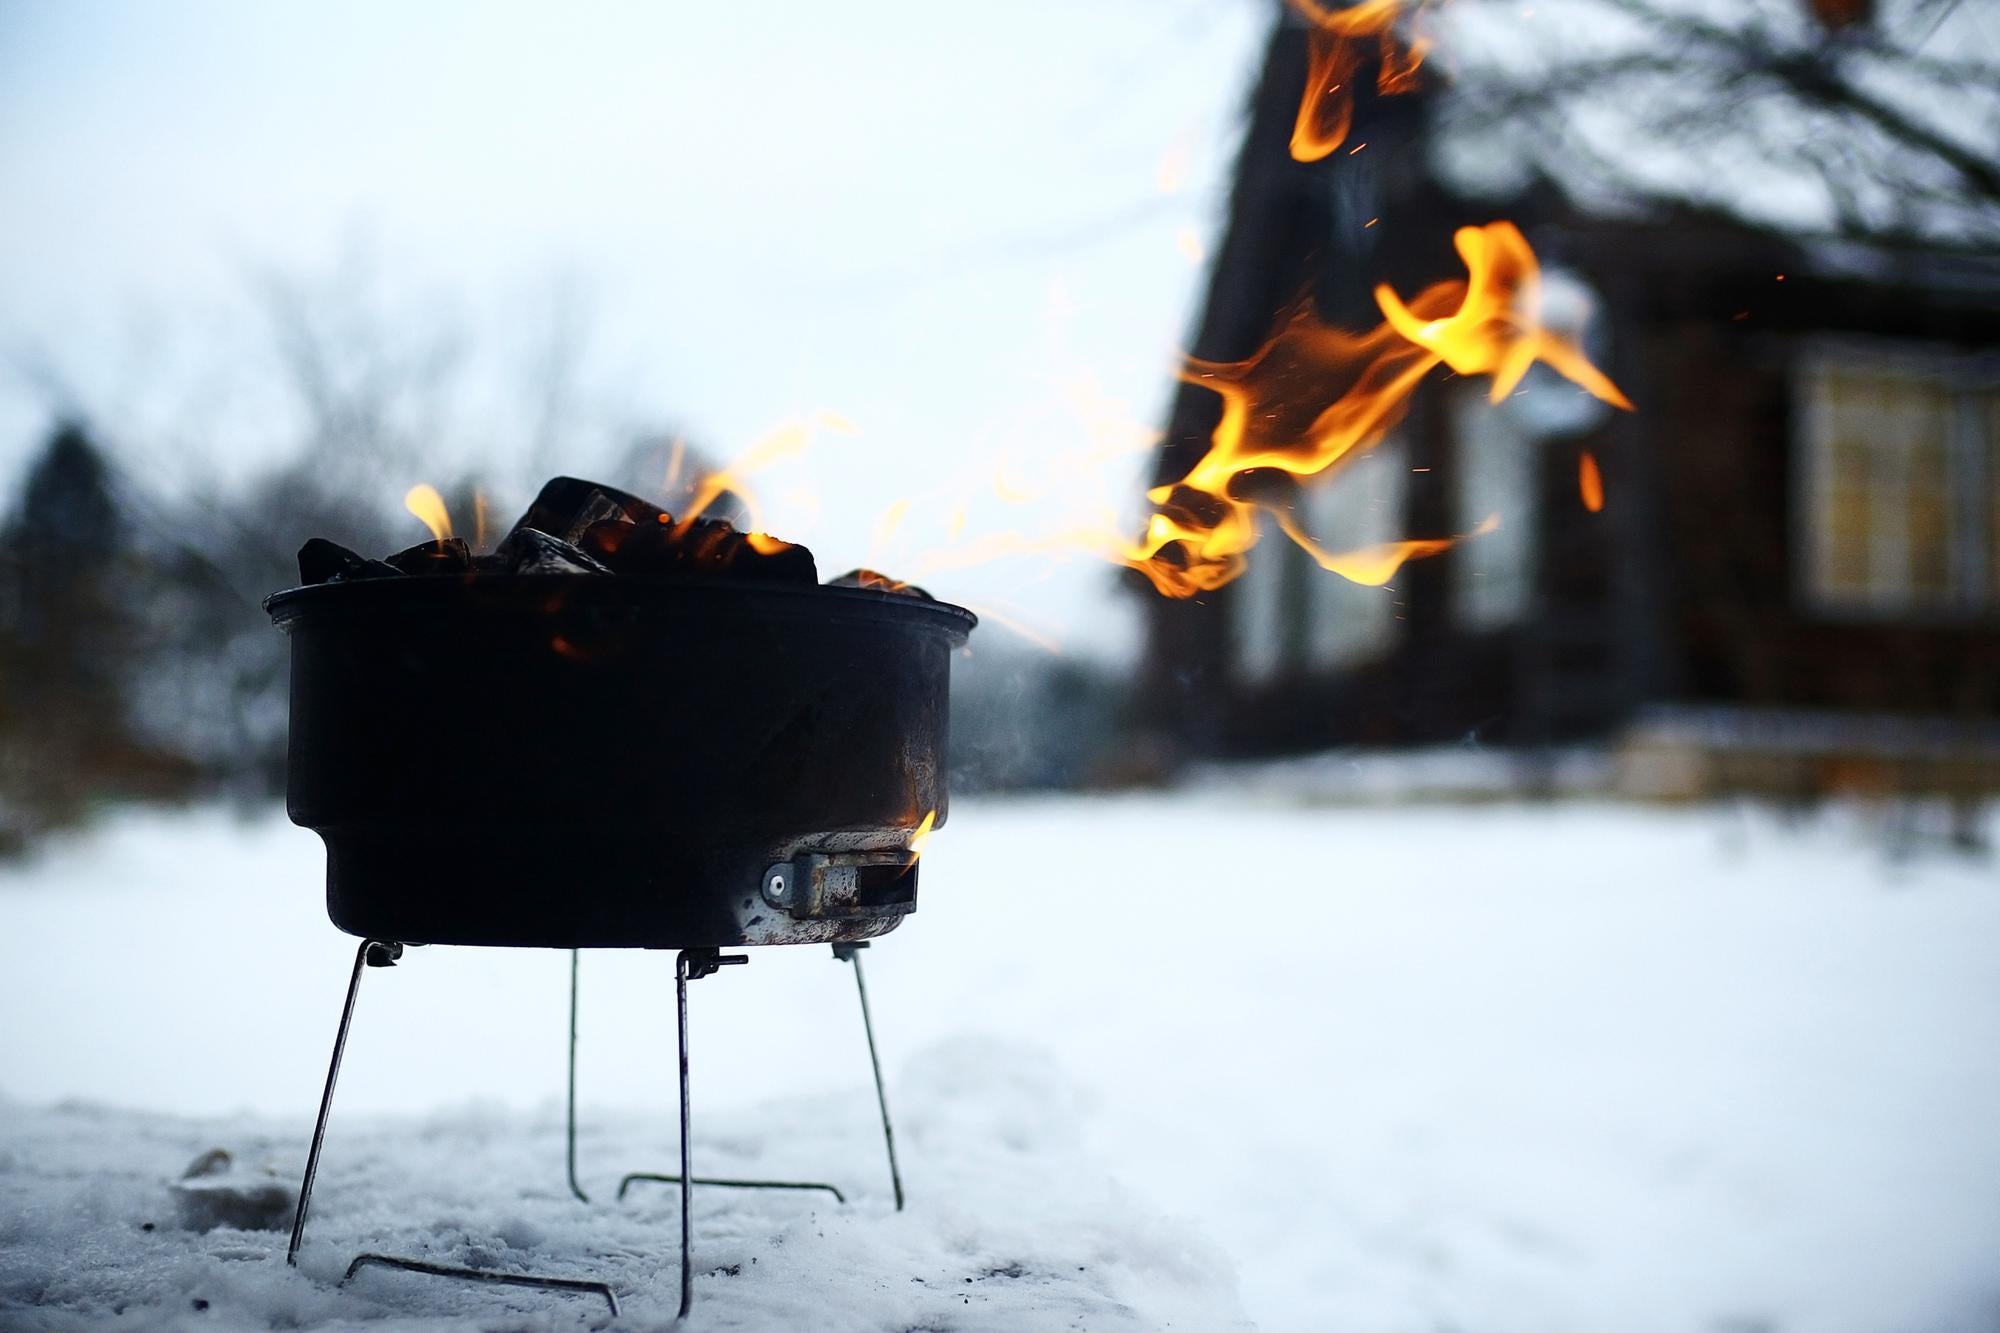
(949, 224)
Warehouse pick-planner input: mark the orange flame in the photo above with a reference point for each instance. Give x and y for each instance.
(1375, 565)
(921, 836)
(676, 460)
(1171, 175)
(1590, 482)
(1313, 395)
(1495, 331)
(1333, 58)
(887, 526)
(1007, 491)
(787, 440)
(428, 505)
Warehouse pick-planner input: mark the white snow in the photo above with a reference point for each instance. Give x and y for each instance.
(1486, 1068)
(1016, 1227)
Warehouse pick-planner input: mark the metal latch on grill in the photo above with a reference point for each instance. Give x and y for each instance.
(843, 884)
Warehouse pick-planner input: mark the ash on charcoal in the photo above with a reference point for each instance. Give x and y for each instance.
(705, 546)
(450, 556)
(868, 578)
(211, 1193)
(322, 561)
(532, 551)
(567, 507)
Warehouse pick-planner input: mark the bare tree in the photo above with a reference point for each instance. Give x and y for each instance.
(1877, 122)
(343, 390)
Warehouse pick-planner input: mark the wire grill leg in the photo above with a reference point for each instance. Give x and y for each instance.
(379, 953)
(383, 953)
(851, 953)
(579, 1286)
(690, 965)
(653, 1177)
(569, 1127)
(643, 1177)
(687, 1167)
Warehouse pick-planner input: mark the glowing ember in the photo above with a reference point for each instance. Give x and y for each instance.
(428, 506)
(869, 578)
(1590, 482)
(577, 528)
(1336, 44)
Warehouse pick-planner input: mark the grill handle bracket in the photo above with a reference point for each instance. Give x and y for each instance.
(820, 886)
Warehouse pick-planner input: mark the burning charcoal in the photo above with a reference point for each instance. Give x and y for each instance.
(532, 551)
(706, 547)
(567, 506)
(868, 578)
(322, 561)
(449, 556)
(762, 556)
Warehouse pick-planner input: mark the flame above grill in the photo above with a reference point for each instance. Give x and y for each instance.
(1315, 395)
(1336, 41)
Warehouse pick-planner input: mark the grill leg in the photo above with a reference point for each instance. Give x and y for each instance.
(654, 1177)
(576, 1285)
(569, 1134)
(690, 965)
(687, 1166)
(384, 953)
(372, 953)
(851, 953)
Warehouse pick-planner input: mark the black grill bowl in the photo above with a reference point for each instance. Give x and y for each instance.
(572, 761)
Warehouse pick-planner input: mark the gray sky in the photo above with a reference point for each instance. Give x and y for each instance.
(952, 225)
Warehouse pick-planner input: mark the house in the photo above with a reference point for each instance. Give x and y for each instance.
(1794, 581)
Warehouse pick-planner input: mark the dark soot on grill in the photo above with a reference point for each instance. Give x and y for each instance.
(583, 527)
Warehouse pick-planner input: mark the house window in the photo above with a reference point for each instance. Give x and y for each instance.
(1902, 486)
(1495, 474)
(1258, 601)
(1291, 615)
(1362, 504)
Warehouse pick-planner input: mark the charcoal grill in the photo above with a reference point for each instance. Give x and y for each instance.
(572, 762)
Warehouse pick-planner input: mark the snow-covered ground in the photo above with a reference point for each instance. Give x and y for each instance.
(1167, 1059)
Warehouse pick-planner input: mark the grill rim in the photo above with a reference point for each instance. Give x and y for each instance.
(731, 598)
